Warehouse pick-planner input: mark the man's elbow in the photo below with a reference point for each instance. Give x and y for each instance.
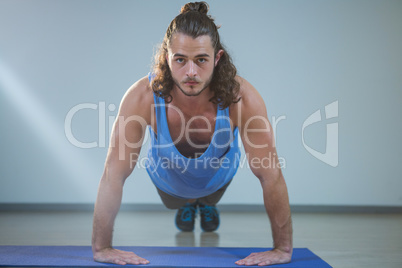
(269, 177)
(116, 173)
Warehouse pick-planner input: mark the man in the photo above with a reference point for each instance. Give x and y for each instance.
(195, 107)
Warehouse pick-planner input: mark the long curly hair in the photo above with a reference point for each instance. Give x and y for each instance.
(194, 21)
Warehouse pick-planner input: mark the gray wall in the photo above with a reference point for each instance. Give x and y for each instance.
(300, 55)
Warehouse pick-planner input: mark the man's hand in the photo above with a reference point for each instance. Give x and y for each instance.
(111, 255)
(274, 256)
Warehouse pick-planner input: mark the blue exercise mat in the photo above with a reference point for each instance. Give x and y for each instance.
(81, 256)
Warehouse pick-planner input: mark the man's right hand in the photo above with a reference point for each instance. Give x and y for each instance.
(116, 256)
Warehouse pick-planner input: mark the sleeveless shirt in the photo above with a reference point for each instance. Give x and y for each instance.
(191, 178)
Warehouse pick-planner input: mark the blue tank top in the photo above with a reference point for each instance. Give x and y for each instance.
(190, 178)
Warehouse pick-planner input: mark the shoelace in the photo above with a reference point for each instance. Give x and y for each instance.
(188, 213)
(208, 212)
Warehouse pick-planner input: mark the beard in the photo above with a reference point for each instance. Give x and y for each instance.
(193, 94)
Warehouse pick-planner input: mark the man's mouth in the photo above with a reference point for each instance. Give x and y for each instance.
(191, 83)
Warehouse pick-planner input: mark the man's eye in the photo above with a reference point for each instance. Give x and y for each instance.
(180, 60)
(202, 60)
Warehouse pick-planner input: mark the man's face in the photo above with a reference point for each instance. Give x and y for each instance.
(192, 62)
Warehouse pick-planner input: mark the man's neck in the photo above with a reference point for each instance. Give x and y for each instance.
(192, 105)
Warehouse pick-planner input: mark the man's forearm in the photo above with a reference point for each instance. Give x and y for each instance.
(106, 208)
(276, 202)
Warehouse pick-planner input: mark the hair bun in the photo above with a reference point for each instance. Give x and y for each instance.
(201, 7)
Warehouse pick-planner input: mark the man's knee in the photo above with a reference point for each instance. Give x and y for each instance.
(171, 205)
(171, 202)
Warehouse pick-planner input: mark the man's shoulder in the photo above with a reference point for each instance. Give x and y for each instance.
(140, 90)
(249, 95)
(246, 90)
(250, 101)
(138, 98)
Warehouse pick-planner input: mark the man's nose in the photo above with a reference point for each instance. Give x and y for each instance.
(191, 69)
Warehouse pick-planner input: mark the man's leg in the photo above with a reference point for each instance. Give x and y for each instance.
(186, 210)
(209, 213)
(213, 199)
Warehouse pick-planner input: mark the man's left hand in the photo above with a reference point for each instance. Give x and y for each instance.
(275, 256)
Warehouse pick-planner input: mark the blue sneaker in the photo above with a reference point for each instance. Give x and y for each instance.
(209, 217)
(185, 217)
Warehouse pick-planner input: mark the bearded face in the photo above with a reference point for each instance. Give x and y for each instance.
(192, 62)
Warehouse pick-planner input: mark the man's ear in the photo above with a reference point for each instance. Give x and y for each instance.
(218, 56)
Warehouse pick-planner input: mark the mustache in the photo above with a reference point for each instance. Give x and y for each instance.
(192, 80)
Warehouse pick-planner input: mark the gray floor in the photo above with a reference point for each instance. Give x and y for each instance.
(343, 240)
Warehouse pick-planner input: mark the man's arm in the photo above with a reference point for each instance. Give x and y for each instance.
(258, 140)
(125, 146)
